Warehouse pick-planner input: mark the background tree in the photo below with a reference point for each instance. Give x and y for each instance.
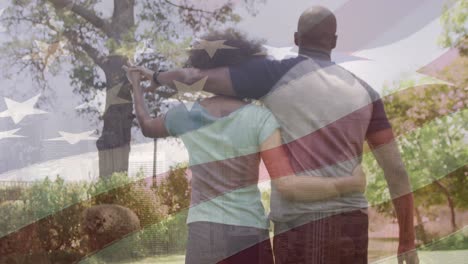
(99, 46)
(454, 21)
(174, 191)
(432, 122)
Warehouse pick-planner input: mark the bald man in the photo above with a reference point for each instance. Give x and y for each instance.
(326, 115)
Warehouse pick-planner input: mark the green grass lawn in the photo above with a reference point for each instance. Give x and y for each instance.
(425, 257)
(435, 257)
(171, 259)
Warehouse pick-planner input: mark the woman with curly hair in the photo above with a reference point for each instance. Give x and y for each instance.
(226, 139)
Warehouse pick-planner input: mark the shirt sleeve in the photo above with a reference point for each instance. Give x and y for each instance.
(267, 125)
(379, 120)
(176, 120)
(255, 78)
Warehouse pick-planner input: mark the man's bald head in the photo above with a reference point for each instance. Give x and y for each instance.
(317, 28)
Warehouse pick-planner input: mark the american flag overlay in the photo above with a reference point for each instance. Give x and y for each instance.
(233, 131)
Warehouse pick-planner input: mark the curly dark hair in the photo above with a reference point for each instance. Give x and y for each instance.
(245, 49)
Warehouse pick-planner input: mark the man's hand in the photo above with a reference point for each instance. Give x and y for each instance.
(407, 254)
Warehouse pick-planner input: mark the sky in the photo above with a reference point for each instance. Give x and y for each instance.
(391, 39)
(394, 37)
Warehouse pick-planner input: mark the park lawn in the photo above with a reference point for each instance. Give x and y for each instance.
(425, 257)
(170, 259)
(435, 257)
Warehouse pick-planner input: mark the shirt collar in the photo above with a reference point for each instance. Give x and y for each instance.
(315, 53)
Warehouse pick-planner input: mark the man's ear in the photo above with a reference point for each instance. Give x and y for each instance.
(296, 38)
(335, 40)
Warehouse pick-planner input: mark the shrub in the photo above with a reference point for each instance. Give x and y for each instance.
(457, 241)
(166, 237)
(13, 215)
(45, 226)
(130, 193)
(174, 191)
(10, 194)
(51, 210)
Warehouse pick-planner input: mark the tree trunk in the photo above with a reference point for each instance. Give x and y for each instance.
(421, 232)
(114, 143)
(155, 162)
(449, 203)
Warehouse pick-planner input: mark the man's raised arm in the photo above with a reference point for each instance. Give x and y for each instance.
(218, 80)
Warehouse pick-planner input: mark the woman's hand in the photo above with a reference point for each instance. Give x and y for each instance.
(359, 179)
(356, 183)
(146, 73)
(134, 77)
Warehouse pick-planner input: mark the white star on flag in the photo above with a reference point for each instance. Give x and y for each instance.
(74, 138)
(10, 134)
(211, 47)
(18, 111)
(195, 87)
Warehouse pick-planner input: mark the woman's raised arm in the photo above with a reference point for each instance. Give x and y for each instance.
(151, 127)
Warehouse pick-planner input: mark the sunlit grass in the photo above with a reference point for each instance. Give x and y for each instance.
(171, 259)
(426, 257)
(435, 257)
